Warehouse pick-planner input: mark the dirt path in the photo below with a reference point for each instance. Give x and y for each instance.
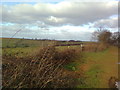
(107, 61)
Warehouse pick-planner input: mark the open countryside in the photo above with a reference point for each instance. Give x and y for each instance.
(57, 44)
(91, 67)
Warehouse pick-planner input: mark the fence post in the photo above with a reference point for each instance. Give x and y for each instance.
(82, 47)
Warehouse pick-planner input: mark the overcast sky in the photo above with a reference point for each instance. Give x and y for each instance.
(62, 20)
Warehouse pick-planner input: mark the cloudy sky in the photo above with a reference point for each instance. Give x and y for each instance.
(61, 19)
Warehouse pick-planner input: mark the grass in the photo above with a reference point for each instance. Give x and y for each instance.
(66, 47)
(71, 66)
(104, 62)
(13, 43)
(20, 52)
(93, 76)
(91, 70)
(91, 79)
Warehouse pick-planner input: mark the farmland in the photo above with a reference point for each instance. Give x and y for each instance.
(91, 68)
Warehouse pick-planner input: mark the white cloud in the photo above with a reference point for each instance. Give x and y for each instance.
(46, 1)
(64, 32)
(109, 23)
(54, 19)
(63, 20)
(76, 13)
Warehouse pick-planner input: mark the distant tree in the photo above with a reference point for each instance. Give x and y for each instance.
(102, 36)
(115, 39)
(105, 37)
(71, 40)
(96, 33)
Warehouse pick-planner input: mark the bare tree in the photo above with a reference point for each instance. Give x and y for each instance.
(105, 37)
(102, 36)
(115, 39)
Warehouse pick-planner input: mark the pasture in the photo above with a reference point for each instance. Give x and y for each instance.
(90, 68)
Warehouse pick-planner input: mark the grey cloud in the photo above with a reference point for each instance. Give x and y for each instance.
(109, 23)
(37, 20)
(63, 13)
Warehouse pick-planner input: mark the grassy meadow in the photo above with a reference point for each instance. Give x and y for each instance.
(41, 64)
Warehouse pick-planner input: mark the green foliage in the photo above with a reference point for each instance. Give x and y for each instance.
(82, 83)
(91, 79)
(93, 75)
(71, 66)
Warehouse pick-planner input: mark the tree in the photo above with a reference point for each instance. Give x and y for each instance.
(105, 37)
(96, 33)
(115, 39)
(102, 36)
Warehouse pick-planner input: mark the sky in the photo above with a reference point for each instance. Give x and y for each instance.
(57, 19)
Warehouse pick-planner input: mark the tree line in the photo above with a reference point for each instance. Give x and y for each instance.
(107, 37)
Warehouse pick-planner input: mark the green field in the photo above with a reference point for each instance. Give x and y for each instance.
(13, 43)
(94, 68)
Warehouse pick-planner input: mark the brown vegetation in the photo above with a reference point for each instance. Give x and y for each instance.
(42, 70)
(112, 82)
(106, 37)
(95, 47)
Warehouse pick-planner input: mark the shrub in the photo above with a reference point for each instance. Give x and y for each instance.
(66, 55)
(39, 71)
(95, 47)
(28, 74)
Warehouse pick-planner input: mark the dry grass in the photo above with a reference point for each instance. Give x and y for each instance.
(95, 47)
